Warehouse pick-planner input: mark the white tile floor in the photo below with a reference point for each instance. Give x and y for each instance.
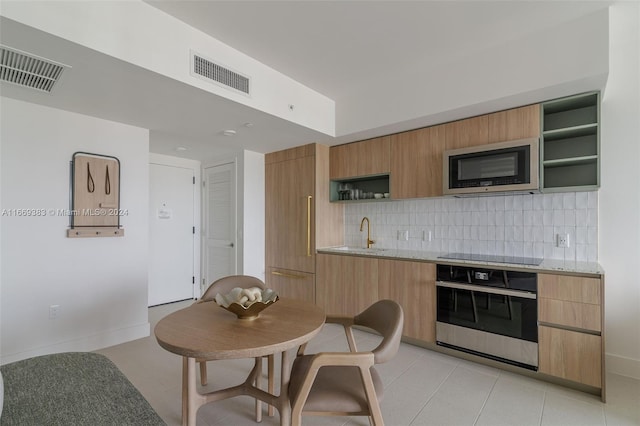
(423, 387)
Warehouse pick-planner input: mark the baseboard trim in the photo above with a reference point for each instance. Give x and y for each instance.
(84, 344)
(623, 366)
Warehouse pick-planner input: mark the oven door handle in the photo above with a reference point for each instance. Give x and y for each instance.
(485, 289)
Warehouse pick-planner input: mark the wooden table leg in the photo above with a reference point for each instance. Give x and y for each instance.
(285, 376)
(271, 381)
(185, 407)
(194, 399)
(258, 365)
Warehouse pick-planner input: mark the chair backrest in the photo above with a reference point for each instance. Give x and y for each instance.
(387, 318)
(226, 284)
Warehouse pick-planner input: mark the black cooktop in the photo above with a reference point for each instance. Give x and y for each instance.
(515, 260)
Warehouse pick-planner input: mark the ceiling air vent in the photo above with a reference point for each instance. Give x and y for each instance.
(27, 70)
(210, 71)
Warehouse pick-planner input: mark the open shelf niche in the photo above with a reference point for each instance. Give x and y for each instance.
(571, 143)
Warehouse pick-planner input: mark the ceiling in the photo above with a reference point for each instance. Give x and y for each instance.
(333, 47)
(336, 47)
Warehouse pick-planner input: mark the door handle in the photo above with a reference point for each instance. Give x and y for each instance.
(230, 244)
(309, 225)
(284, 274)
(487, 290)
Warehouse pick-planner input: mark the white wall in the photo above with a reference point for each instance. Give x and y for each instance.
(253, 196)
(99, 283)
(619, 218)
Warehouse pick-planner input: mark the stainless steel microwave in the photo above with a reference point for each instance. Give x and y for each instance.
(496, 167)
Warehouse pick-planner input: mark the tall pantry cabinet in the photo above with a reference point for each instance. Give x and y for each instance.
(299, 218)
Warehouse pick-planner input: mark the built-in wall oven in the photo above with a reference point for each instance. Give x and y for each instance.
(488, 312)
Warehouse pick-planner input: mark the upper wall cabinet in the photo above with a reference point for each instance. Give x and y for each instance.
(366, 158)
(468, 132)
(514, 124)
(416, 163)
(571, 143)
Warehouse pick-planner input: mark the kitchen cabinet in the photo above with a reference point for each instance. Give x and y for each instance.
(570, 301)
(514, 124)
(413, 286)
(298, 214)
(416, 163)
(571, 355)
(292, 284)
(346, 285)
(570, 335)
(507, 125)
(358, 159)
(468, 132)
(571, 143)
(570, 309)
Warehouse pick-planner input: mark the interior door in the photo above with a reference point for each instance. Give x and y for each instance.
(171, 200)
(220, 225)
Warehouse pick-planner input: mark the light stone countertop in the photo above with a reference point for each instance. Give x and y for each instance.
(547, 265)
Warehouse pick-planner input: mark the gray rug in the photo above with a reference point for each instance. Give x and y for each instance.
(69, 389)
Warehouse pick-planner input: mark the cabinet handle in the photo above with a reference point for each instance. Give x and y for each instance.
(309, 225)
(282, 274)
(487, 290)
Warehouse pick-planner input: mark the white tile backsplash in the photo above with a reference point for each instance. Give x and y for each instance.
(519, 225)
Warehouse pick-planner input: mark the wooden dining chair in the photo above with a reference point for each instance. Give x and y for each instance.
(225, 285)
(346, 383)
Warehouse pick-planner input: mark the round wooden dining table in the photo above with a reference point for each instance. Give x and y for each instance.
(207, 331)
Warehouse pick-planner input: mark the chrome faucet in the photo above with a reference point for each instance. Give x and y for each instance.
(369, 240)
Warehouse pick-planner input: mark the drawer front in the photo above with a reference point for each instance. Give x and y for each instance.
(571, 355)
(570, 314)
(569, 288)
(292, 284)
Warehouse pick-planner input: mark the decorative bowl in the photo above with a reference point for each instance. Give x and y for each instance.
(247, 303)
(377, 195)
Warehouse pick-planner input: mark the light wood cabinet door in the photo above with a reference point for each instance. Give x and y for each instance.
(290, 214)
(416, 163)
(570, 288)
(566, 305)
(413, 286)
(514, 124)
(346, 285)
(570, 355)
(468, 132)
(341, 164)
(570, 301)
(292, 284)
(571, 314)
(372, 156)
(364, 158)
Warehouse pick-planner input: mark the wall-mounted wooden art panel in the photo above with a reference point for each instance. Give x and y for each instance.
(95, 196)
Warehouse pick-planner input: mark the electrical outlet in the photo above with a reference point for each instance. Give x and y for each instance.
(403, 235)
(54, 310)
(562, 240)
(427, 236)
